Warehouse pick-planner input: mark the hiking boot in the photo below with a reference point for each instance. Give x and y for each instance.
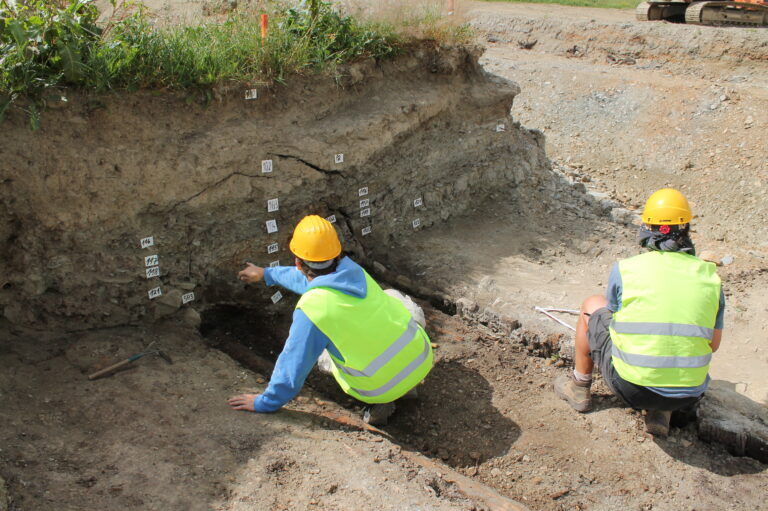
(657, 422)
(575, 392)
(377, 415)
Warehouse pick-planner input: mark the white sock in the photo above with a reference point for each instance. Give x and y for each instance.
(583, 378)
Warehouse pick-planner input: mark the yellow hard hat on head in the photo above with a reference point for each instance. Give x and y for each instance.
(315, 239)
(667, 207)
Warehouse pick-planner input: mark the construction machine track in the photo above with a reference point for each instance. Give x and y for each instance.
(727, 14)
(661, 11)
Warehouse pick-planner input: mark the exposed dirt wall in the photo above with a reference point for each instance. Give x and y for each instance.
(105, 171)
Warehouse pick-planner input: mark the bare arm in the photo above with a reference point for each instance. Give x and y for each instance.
(716, 336)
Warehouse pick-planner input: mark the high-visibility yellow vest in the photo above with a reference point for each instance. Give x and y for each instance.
(661, 334)
(386, 353)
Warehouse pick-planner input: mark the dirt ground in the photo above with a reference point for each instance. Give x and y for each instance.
(160, 436)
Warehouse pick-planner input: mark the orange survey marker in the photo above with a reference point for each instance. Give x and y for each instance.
(263, 27)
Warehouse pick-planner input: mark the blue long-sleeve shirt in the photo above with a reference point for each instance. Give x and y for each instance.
(305, 341)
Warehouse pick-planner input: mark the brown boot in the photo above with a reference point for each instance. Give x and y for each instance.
(575, 392)
(657, 422)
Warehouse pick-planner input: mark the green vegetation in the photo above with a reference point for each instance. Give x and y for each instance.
(609, 4)
(47, 45)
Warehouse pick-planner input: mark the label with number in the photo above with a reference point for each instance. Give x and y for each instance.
(272, 205)
(271, 226)
(365, 212)
(500, 127)
(365, 203)
(332, 219)
(154, 293)
(274, 263)
(147, 242)
(154, 271)
(362, 191)
(272, 248)
(187, 297)
(416, 223)
(266, 166)
(252, 94)
(277, 297)
(338, 158)
(417, 202)
(366, 230)
(152, 260)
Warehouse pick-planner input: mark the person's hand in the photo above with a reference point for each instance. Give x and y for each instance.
(251, 274)
(242, 402)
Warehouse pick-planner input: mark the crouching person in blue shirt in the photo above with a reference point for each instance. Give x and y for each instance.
(653, 336)
(373, 341)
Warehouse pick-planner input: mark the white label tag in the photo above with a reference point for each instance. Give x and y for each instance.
(417, 202)
(338, 158)
(252, 94)
(272, 205)
(272, 248)
(332, 219)
(500, 127)
(365, 203)
(154, 271)
(152, 260)
(416, 223)
(147, 242)
(362, 191)
(277, 297)
(274, 263)
(366, 230)
(271, 226)
(154, 293)
(187, 297)
(365, 212)
(266, 166)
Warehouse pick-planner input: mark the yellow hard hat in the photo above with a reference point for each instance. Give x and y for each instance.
(667, 207)
(315, 239)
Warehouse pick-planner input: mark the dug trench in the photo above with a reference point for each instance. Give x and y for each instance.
(431, 125)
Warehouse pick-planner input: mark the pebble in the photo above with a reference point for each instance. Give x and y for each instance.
(495, 472)
(725, 261)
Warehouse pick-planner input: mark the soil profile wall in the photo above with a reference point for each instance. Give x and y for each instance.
(104, 172)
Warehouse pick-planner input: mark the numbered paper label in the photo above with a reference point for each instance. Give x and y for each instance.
(154, 271)
(418, 202)
(147, 242)
(365, 203)
(366, 230)
(362, 191)
(154, 293)
(271, 249)
(416, 223)
(266, 166)
(187, 297)
(332, 219)
(274, 263)
(338, 158)
(272, 205)
(277, 297)
(365, 212)
(252, 94)
(271, 226)
(501, 127)
(152, 260)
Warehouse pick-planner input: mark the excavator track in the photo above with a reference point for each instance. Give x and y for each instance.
(734, 14)
(661, 11)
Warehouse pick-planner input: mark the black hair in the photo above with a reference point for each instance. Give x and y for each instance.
(314, 272)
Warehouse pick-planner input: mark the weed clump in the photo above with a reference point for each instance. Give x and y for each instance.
(46, 46)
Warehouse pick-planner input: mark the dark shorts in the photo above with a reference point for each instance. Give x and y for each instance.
(639, 398)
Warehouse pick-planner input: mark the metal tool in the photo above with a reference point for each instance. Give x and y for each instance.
(546, 311)
(131, 359)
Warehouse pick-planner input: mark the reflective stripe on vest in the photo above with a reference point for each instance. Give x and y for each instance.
(661, 334)
(402, 375)
(385, 357)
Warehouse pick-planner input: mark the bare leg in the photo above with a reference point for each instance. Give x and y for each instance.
(584, 363)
